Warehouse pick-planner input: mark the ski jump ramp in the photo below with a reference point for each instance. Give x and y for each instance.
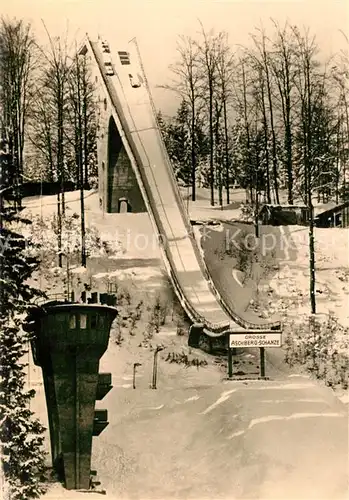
(130, 103)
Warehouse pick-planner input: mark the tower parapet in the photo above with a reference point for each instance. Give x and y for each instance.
(69, 340)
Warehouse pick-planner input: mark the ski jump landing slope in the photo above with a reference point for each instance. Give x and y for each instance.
(133, 110)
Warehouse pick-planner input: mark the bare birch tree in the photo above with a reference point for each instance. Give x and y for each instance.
(16, 67)
(186, 84)
(209, 49)
(311, 94)
(283, 65)
(53, 90)
(261, 46)
(81, 129)
(225, 70)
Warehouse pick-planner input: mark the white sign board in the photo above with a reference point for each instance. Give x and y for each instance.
(255, 340)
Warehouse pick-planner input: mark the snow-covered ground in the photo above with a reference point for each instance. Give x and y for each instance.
(133, 256)
(180, 441)
(288, 273)
(332, 274)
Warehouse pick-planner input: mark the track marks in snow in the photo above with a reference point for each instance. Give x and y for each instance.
(236, 434)
(154, 407)
(192, 398)
(292, 386)
(226, 394)
(305, 400)
(293, 416)
(224, 397)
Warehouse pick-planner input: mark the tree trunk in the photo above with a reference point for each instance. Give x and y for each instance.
(247, 130)
(59, 230)
(288, 141)
(226, 151)
(81, 112)
(312, 281)
(347, 138)
(257, 189)
(274, 157)
(211, 147)
(83, 232)
(285, 92)
(218, 165)
(85, 128)
(60, 150)
(193, 154)
(266, 146)
(309, 175)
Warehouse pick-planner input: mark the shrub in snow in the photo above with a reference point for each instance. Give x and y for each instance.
(135, 317)
(254, 262)
(181, 329)
(149, 331)
(123, 296)
(321, 347)
(183, 359)
(138, 310)
(118, 336)
(158, 312)
(44, 232)
(21, 435)
(247, 212)
(93, 182)
(129, 315)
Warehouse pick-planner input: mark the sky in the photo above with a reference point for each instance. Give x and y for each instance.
(157, 24)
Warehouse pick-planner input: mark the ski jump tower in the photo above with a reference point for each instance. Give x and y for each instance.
(69, 340)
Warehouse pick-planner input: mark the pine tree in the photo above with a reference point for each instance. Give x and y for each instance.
(21, 434)
(176, 136)
(179, 138)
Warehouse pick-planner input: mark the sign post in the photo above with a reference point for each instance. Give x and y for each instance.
(262, 362)
(230, 362)
(253, 339)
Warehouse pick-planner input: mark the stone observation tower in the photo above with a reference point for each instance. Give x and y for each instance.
(69, 340)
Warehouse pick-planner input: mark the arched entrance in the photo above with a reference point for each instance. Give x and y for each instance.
(123, 206)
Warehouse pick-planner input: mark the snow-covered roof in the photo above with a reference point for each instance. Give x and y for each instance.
(282, 206)
(326, 207)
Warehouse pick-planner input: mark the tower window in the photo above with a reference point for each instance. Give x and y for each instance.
(72, 322)
(83, 321)
(94, 321)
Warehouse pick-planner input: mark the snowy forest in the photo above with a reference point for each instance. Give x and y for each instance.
(48, 110)
(269, 117)
(48, 124)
